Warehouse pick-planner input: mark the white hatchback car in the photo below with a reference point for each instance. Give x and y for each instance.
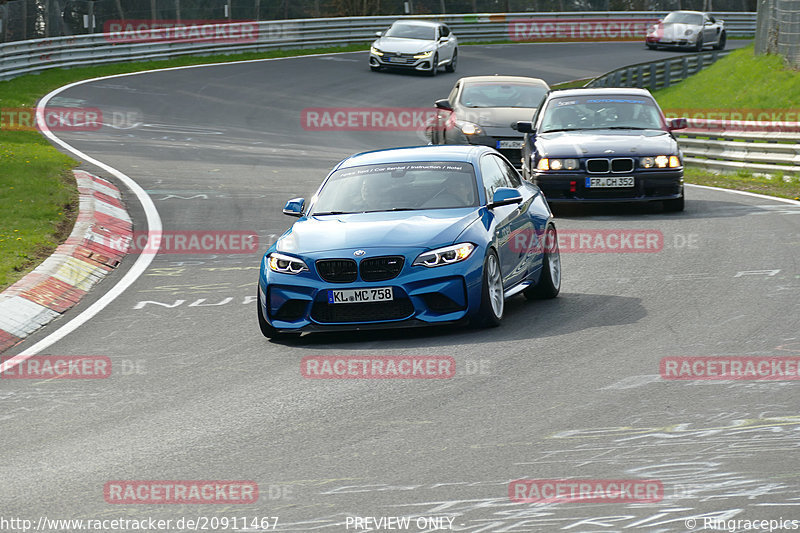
(415, 45)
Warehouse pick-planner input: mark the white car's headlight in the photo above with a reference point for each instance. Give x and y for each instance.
(285, 264)
(424, 55)
(445, 256)
(689, 31)
(373, 50)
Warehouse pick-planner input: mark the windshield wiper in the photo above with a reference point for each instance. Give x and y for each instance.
(622, 128)
(331, 213)
(565, 129)
(392, 209)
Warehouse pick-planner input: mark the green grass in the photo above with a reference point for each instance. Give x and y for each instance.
(39, 199)
(740, 81)
(743, 180)
(737, 87)
(37, 191)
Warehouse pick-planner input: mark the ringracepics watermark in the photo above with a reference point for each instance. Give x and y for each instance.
(730, 368)
(585, 490)
(578, 29)
(54, 118)
(216, 31)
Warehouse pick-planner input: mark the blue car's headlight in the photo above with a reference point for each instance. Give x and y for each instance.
(445, 256)
(285, 264)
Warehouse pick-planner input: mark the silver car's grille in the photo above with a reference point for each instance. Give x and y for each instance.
(400, 59)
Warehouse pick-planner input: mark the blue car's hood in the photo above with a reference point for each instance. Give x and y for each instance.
(410, 229)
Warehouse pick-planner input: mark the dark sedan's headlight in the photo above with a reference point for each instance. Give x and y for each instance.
(445, 256)
(285, 264)
(660, 161)
(547, 163)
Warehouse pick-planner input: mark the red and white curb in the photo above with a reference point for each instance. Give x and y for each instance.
(67, 275)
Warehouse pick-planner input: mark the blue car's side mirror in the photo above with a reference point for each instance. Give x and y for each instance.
(505, 196)
(294, 207)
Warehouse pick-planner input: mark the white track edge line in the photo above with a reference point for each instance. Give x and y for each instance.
(747, 193)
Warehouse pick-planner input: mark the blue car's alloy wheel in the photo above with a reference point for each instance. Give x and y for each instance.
(492, 300)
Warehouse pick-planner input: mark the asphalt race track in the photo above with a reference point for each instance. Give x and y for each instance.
(565, 388)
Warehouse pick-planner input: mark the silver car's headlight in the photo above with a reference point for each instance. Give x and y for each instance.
(445, 256)
(373, 50)
(285, 264)
(424, 55)
(689, 31)
(469, 128)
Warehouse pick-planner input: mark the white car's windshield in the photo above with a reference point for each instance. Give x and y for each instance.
(685, 18)
(502, 95)
(600, 112)
(412, 31)
(400, 186)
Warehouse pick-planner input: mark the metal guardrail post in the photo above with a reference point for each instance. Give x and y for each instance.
(667, 75)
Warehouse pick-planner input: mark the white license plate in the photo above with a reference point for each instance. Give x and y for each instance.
(357, 296)
(509, 144)
(626, 181)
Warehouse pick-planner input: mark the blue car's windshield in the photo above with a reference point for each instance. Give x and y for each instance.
(399, 186)
(600, 112)
(412, 31)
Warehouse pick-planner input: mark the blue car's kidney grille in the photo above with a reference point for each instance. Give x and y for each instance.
(381, 268)
(337, 270)
(362, 312)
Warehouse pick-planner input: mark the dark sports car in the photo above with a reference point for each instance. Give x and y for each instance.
(410, 237)
(691, 29)
(604, 145)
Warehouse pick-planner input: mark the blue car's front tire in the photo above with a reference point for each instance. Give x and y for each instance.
(266, 328)
(549, 283)
(492, 300)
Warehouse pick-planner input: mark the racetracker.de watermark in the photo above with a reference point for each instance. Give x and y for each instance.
(578, 29)
(585, 490)
(367, 118)
(180, 492)
(730, 368)
(588, 241)
(58, 367)
(215, 31)
(54, 118)
(742, 119)
(184, 242)
(378, 367)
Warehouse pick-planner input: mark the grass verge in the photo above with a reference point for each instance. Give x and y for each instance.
(37, 191)
(778, 185)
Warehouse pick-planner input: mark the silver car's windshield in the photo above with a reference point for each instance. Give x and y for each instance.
(600, 112)
(403, 186)
(502, 95)
(685, 18)
(412, 31)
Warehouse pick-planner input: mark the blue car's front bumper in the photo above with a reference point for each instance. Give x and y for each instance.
(421, 295)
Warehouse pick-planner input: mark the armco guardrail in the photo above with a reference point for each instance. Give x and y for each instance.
(768, 147)
(658, 74)
(22, 57)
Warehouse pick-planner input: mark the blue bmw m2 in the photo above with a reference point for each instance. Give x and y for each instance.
(406, 237)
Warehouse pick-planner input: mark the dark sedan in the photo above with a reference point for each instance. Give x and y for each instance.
(484, 109)
(604, 145)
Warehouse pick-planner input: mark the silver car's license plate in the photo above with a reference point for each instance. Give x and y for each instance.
(356, 296)
(620, 181)
(509, 144)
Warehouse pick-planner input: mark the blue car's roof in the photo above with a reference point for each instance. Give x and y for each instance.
(444, 152)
